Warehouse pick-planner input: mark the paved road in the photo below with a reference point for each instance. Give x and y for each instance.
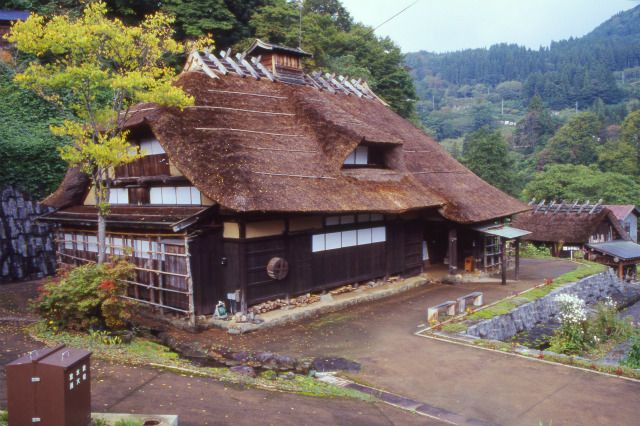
(198, 401)
(472, 382)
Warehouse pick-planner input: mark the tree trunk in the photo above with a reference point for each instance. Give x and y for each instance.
(102, 238)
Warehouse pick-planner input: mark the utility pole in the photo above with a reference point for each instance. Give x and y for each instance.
(300, 22)
(576, 107)
(502, 107)
(433, 102)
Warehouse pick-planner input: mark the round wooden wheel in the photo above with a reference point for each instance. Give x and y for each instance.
(278, 268)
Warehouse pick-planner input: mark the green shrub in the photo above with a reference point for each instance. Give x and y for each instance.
(4, 418)
(633, 357)
(85, 297)
(530, 250)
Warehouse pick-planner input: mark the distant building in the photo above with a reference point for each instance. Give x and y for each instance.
(7, 18)
(627, 214)
(592, 230)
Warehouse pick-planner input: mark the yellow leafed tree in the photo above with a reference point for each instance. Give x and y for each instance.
(98, 68)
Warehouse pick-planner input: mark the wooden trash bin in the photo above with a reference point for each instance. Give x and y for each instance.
(50, 387)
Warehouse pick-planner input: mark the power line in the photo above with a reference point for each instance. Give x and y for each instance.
(394, 16)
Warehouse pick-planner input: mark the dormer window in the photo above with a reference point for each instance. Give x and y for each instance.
(367, 156)
(151, 147)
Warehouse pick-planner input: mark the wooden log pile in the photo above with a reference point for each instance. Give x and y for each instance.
(272, 305)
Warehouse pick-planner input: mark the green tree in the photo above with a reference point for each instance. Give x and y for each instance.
(535, 129)
(97, 69)
(485, 152)
(630, 132)
(199, 18)
(333, 43)
(576, 142)
(578, 182)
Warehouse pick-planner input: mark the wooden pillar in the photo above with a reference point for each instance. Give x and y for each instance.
(621, 270)
(517, 272)
(453, 251)
(242, 266)
(503, 260)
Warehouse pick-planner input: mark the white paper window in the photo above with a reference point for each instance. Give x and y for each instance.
(68, 241)
(425, 251)
(118, 196)
(333, 240)
(195, 196)
(317, 243)
(116, 244)
(362, 155)
(183, 195)
(349, 238)
(92, 243)
(80, 242)
(150, 147)
(169, 195)
(378, 234)
(351, 158)
(364, 236)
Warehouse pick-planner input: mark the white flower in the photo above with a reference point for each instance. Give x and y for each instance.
(572, 308)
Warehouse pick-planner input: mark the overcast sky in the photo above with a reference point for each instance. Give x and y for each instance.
(446, 25)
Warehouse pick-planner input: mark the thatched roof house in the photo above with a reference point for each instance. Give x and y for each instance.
(567, 227)
(313, 169)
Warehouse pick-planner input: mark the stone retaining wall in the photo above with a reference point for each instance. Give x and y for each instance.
(591, 289)
(26, 247)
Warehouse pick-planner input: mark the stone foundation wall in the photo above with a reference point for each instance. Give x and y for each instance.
(27, 248)
(591, 289)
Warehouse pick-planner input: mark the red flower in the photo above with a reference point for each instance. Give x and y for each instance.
(107, 285)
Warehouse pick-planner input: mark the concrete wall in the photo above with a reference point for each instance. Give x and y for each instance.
(591, 289)
(26, 247)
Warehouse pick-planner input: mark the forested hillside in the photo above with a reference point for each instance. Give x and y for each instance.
(563, 120)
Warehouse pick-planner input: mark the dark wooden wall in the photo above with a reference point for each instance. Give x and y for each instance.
(245, 262)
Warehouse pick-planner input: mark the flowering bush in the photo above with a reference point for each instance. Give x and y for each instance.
(578, 333)
(87, 296)
(570, 336)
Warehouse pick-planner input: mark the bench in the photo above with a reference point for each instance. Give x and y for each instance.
(449, 307)
(476, 296)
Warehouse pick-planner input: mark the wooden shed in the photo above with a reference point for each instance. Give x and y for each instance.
(7, 18)
(278, 182)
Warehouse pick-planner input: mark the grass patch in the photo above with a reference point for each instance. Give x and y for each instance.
(498, 309)
(454, 327)
(145, 352)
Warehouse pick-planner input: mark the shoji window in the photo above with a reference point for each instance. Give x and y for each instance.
(119, 196)
(349, 238)
(150, 147)
(175, 195)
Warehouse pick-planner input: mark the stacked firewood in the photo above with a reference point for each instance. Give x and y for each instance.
(272, 305)
(344, 289)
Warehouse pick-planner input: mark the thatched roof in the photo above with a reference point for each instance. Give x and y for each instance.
(258, 145)
(568, 227)
(621, 211)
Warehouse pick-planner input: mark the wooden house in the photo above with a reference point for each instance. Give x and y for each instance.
(568, 227)
(276, 183)
(7, 18)
(627, 215)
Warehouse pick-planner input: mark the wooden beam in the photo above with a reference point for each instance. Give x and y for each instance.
(539, 206)
(210, 56)
(229, 60)
(503, 261)
(517, 272)
(256, 62)
(585, 205)
(247, 66)
(595, 206)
